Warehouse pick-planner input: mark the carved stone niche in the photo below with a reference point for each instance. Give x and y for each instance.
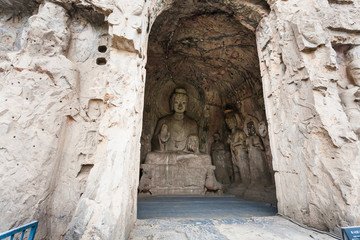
(349, 84)
(175, 165)
(95, 109)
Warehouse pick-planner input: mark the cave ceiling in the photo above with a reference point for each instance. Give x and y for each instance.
(19, 7)
(206, 47)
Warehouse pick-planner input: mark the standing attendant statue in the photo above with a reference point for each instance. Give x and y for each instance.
(219, 159)
(258, 166)
(238, 148)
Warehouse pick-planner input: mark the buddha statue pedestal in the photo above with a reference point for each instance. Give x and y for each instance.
(177, 173)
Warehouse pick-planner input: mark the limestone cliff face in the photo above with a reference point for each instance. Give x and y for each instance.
(70, 121)
(72, 80)
(39, 97)
(315, 151)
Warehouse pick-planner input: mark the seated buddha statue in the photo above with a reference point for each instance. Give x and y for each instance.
(176, 132)
(175, 164)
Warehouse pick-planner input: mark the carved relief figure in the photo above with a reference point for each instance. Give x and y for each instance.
(176, 132)
(218, 156)
(94, 109)
(353, 67)
(258, 166)
(350, 95)
(262, 129)
(237, 141)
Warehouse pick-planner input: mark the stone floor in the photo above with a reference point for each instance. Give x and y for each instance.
(221, 218)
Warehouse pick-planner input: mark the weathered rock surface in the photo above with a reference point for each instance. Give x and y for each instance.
(63, 91)
(38, 99)
(315, 151)
(72, 80)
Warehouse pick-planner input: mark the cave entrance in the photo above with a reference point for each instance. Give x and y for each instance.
(202, 58)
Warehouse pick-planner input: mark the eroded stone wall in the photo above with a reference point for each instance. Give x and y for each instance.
(89, 51)
(315, 151)
(39, 95)
(71, 120)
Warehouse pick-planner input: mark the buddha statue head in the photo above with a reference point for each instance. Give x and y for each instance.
(262, 129)
(230, 120)
(216, 137)
(353, 67)
(179, 100)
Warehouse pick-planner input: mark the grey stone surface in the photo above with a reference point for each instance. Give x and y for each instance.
(256, 228)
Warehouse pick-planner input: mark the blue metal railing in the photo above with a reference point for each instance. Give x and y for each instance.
(11, 233)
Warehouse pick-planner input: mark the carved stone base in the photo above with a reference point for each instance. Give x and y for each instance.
(176, 174)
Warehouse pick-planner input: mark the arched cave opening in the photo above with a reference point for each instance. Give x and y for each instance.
(204, 59)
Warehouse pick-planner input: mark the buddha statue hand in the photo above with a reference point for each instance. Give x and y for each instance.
(193, 144)
(164, 133)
